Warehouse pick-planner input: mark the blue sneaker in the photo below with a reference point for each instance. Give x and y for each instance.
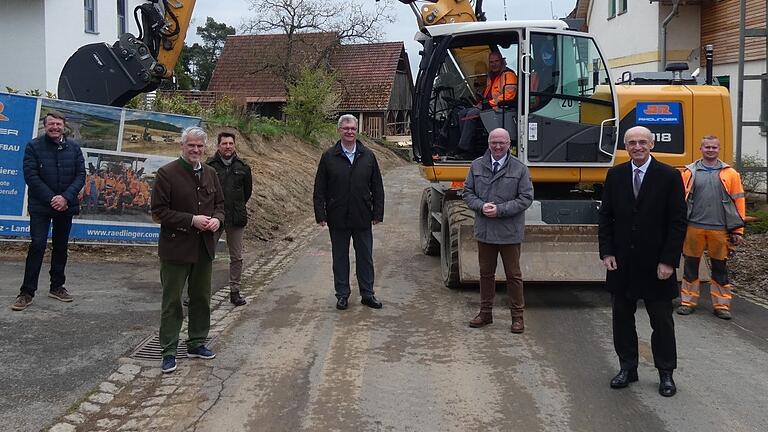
(169, 363)
(200, 352)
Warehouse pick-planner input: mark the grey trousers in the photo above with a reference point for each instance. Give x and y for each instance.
(362, 241)
(235, 245)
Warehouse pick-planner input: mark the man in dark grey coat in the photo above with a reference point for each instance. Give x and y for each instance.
(54, 170)
(349, 197)
(641, 233)
(237, 184)
(499, 189)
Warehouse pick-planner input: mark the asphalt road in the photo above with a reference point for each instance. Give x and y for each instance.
(293, 362)
(296, 363)
(53, 354)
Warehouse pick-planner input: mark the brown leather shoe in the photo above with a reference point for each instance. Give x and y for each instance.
(481, 320)
(517, 325)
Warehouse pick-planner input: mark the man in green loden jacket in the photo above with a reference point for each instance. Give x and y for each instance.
(188, 202)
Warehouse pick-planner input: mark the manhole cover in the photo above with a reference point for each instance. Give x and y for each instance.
(149, 349)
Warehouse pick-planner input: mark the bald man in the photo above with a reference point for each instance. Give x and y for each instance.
(641, 233)
(499, 189)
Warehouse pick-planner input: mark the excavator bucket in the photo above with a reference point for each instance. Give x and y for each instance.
(550, 253)
(106, 75)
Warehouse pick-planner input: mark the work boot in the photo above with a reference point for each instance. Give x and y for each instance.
(684, 310)
(482, 319)
(236, 299)
(517, 325)
(723, 314)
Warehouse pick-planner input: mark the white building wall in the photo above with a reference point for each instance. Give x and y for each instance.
(627, 35)
(683, 34)
(22, 51)
(632, 41)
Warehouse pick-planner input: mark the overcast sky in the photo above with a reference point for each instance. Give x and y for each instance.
(233, 12)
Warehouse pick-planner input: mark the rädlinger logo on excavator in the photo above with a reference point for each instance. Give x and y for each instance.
(657, 109)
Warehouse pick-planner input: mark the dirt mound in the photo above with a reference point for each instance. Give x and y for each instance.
(283, 179)
(748, 266)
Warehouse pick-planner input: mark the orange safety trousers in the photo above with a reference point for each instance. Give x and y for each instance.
(715, 242)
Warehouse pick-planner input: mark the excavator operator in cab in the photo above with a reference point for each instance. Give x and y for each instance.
(500, 89)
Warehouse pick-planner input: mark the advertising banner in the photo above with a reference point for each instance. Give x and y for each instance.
(123, 150)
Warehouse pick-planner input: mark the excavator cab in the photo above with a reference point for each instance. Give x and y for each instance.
(564, 112)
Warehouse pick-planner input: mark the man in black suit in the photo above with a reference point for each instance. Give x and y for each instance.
(641, 233)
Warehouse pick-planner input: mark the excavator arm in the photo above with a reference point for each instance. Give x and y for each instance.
(433, 12)
(113, 74)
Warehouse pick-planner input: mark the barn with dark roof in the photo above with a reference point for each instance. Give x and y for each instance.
(374, 79)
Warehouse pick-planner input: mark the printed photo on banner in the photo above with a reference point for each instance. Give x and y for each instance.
(93, 126)
(154, 133)
(118, 186)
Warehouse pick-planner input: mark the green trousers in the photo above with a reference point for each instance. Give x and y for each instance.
(173, 278)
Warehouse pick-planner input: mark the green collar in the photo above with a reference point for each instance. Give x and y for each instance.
(187, 166)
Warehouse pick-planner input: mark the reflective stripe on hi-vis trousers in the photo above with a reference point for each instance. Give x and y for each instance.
(721, 295)
(689, 293)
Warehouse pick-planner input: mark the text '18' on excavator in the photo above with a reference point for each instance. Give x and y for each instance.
(566, 122)
(113, 74)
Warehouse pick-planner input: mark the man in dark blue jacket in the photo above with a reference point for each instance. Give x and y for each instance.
(54, 170)
(349, 197)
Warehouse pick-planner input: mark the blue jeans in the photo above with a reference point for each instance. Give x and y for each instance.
(38, 230)
(362, 241)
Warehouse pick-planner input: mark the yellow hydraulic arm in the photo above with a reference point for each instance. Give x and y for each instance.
(434, 12)
(170, 51)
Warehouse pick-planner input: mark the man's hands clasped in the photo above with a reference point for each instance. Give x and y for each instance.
(59, 203)
(205, 223)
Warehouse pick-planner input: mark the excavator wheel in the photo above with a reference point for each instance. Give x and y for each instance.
(428, 225)
(455, 214)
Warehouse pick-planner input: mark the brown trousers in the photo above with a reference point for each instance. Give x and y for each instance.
(510, 256)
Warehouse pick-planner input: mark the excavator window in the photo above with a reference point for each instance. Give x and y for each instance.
(468, 99)
(552, 94)
(569, 102)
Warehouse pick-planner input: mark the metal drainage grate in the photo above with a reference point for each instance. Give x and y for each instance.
(149, 349)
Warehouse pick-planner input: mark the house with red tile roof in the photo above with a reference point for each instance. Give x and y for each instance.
(374, 79)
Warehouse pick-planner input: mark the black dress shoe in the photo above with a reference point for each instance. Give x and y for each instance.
(623, 378)
(667, 386)
(371, 301)
(342, 303)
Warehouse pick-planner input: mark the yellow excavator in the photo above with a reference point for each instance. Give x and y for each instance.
(113, 74)
(566, 125)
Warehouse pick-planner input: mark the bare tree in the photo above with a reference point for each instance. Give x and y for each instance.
(348, 21)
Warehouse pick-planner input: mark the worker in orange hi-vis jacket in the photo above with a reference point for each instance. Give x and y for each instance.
(716, 211)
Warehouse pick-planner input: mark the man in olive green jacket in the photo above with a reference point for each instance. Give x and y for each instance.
(188, 202)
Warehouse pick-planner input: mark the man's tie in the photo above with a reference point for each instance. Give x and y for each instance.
(198, 172)
(495, 167)
(636, 182)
